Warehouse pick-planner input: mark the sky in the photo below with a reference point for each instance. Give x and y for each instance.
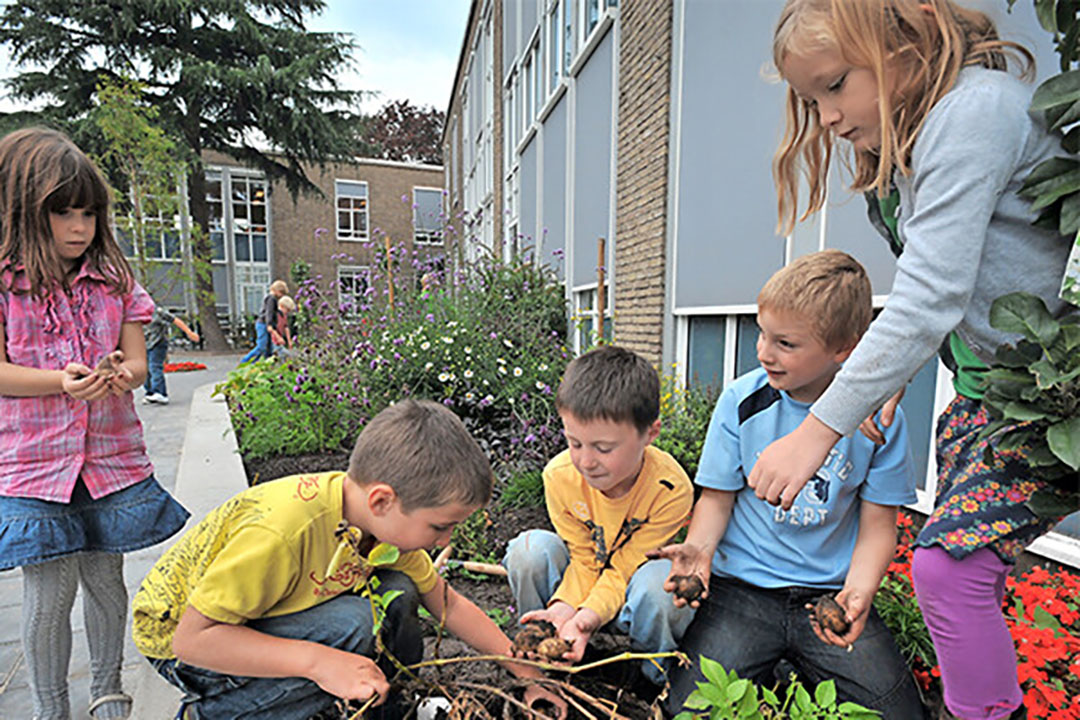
(406, 49)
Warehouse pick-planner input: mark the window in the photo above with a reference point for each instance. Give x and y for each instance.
(352, 209)
(217, 215)
(353, 285)
(554, 45)
(592, 16)
(427, 215)
(248, 201)
(585, 313)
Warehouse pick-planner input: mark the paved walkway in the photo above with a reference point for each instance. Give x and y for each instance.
(194, 458)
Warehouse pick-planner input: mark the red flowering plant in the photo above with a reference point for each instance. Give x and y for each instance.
(185, 366)
(1042, 611)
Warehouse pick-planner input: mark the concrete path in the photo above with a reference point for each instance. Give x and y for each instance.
(194, 455)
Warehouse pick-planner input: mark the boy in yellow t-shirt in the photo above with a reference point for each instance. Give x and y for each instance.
(254, 612)
(611, 497)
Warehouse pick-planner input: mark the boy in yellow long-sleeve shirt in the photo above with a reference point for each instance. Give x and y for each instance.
(611, 497)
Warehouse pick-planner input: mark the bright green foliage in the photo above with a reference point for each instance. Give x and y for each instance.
(524, 489)
(146, 165)
(1054, 185)
(1033, 395)
(898, 607)
(471, 538)
(726, 696)
(684, 418)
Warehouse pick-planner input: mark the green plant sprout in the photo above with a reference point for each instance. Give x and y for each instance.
(726, 696)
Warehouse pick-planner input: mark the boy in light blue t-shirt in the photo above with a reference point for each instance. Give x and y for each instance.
(761, 564)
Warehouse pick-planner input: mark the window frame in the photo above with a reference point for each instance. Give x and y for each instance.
(351, 235)
(434, 238)
(352, 272)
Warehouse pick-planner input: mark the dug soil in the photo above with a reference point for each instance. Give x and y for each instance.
(616, 688)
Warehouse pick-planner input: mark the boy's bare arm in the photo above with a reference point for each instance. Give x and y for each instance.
(241, 650)
(191, 334)
(694, 555)
(875, 546)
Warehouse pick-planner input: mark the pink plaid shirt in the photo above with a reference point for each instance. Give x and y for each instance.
(47, 442)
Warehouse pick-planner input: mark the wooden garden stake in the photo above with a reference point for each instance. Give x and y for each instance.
(601, 295)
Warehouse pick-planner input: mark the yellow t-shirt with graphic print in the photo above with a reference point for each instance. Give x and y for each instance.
(269, 551)
(608, 538)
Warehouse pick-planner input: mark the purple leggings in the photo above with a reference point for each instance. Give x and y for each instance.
(961, 604)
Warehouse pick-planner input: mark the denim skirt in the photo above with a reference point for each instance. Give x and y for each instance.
(35, 531)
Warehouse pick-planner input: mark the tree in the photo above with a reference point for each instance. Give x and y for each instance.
(146, 171)
(241, 77)
(402, 131)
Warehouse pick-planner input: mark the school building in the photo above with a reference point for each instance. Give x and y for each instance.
(652, 124)
(258, 231)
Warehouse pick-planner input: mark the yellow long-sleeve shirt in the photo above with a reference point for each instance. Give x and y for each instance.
(608, 538)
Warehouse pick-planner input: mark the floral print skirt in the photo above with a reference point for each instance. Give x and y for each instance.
(980, 505)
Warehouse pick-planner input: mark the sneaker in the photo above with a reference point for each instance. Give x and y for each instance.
(157, 398)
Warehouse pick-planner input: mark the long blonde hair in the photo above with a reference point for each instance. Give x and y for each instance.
(915, 49)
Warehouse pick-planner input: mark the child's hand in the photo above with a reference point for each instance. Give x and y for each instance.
(856, 604)
(577, 631)
(537, 693)
(557, 614)
(350, 676)
(786, 465)
(686, 560)
(82, 383)
(870, 429)
(121, 380)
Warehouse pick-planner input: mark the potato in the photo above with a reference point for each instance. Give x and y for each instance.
(688, 587)
(831, 615)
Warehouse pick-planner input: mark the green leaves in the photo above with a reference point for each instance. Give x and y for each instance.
(383, 554)
(1025, 314)
(726, 696)
(1033, 397)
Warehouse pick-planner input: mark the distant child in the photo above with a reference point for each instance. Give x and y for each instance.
(915, 93)
(760, 564)
(256, 611)
(156, 333)
(611, 496)
(280, 334)
(76, 486)
(266, 322)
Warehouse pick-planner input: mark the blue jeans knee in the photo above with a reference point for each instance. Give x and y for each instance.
(535, 562)
(650, 618)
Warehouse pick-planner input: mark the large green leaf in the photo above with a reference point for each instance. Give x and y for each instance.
(1071, 141)
(1026, 314)
(1024, 412)
(383, 554)
(1065, 350)
(825, 694)
(1044, 172)
(1019, 356)
(1069, 221)
(1045, 11)
(1052, 190)
(1064, 440)
(714, 672)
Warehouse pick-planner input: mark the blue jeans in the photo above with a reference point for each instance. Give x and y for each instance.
(155, 368)
(535, 562)
(750, 629)
(343, 622)
(262, 343)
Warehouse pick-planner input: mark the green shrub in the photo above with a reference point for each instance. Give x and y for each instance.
(684, 419)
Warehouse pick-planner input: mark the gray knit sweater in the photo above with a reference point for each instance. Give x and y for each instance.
(967, 237)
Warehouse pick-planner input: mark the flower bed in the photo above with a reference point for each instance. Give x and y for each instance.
(1042, 611)
(186, 366)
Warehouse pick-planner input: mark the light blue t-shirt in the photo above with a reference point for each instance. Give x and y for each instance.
(809, 545)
